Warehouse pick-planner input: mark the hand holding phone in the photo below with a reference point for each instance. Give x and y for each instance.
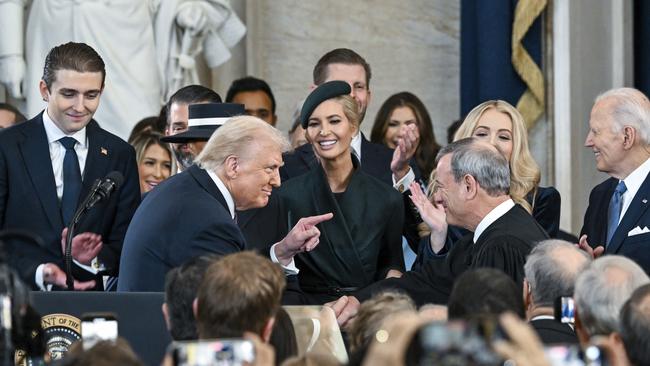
(98, 327)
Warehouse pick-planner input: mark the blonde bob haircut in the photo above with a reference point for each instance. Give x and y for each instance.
(350, 109)
(235, 137)
(524, 171)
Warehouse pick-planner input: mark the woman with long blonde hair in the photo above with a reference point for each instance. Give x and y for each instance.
(501, 124)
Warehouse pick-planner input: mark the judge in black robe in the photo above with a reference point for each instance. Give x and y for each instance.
(507, 231)
(362, 242)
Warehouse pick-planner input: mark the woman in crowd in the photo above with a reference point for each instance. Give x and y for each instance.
(501, 124)
(398, 111)
(362, 243)
(154, 160)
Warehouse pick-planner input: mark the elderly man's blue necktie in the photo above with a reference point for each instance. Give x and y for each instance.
(615, 207)
(71, 180)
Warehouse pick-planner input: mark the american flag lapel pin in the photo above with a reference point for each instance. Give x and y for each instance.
(103, 151)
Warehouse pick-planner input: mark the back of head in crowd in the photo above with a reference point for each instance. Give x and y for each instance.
(181, 287)
(240, 293)
(601, 290)
(551, 270)
(10, 115)
(256, 96)
(372, 314)
(103, 353)
(484, 292)
(635, 326)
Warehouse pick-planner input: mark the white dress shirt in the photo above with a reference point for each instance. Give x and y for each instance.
(57, 153)
(289, 269)
(493, 216)
(633, 182)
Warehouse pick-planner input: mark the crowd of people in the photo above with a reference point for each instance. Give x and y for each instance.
(233, 221)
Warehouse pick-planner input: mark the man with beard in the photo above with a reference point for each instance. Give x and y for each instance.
(177, 119)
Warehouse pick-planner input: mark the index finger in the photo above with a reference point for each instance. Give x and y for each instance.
(315, 220)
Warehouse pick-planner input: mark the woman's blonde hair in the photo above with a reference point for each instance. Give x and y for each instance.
(524, 171)
(350, 110)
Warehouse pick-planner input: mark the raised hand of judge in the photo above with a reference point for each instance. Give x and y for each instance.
(433, 215)
(593, 252)
(54, 275)
(85, 246)
(404, 151)
(302, 238)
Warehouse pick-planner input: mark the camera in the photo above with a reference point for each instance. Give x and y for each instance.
(456, 343)
(220, 352)
(572, 355)
(97, 327)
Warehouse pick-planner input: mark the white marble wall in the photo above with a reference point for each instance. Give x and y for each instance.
(410, 45)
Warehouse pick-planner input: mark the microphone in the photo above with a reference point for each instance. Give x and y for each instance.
(100, 191)
(110, 183)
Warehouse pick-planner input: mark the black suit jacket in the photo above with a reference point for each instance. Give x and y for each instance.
(503, 245)
(636, 247)
(550, 331)
(28, 198)
(184, 217)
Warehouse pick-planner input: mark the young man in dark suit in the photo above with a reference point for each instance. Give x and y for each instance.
(617, 220)
(49, 163)
(551, 271)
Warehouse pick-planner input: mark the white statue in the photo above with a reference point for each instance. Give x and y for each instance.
(149, 47)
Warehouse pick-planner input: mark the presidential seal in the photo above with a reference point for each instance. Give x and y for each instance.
(61, 331)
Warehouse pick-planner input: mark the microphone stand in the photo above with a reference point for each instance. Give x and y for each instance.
(81, 211)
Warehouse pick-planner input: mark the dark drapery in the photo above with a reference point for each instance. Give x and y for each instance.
(485, 53)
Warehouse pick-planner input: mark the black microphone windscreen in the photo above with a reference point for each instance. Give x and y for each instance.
(116, 177)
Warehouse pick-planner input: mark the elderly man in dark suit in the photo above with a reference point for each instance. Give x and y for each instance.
(49, 163)
(617, 220)
(193, 213)
(551, 271)
(473, 181)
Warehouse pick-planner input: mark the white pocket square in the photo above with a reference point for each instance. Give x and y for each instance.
(637, 230)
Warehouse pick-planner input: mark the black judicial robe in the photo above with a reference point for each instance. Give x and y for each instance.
(359, 245)
(503, 245)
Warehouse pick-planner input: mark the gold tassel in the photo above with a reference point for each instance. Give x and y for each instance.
(531, 103)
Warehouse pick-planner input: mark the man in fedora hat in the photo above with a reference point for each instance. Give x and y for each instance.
(177, 110)
(193, 213)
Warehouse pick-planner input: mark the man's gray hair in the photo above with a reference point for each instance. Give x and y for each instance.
(551, 273)
(631, 108)
(488, 166)
(235, 137)
(602, 289)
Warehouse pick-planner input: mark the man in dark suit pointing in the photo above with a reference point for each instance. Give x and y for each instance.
(617, 220)
(194, 213)
(49, 163)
